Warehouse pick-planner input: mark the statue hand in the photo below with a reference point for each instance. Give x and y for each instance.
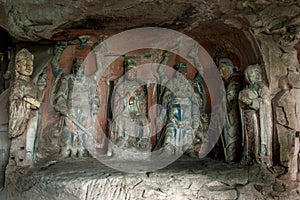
(62, 108)
(195, 124)
(34, 104)
(60, 46)
(33, 107)
(245, 100)
(64, 112)
(167, 54)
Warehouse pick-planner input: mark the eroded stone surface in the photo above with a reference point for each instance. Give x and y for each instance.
(50, 18)
(270, 28)
(185, 179)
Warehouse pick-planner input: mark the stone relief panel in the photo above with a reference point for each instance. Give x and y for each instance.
(64, 135)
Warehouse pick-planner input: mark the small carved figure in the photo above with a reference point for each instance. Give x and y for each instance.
(256, 117)
(130, 126)
(182, 113)
(4, 139)
(231, 133)
(286, 107)
(200, 143)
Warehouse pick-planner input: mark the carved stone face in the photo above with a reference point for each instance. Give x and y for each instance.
(225, 71)
(232, 92)
(253, 74)
(131, 73)
(25, 66)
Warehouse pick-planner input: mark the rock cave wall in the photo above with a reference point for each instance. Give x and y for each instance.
(248, 32)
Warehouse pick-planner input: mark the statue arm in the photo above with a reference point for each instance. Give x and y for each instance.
(167, 98)
(255, 104)
(264, 93)
(16, 92)
(58, 49)
(118, 102)
(161, 72)
(41, 85)
(95, 100)
(61, 97)
(251, 103)
(195, 113)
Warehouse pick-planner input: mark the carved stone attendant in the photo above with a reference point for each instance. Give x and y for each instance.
(24, 95)
(256, 117)
(231, 137)
(200, 143)
(286, 107)
(24, 100)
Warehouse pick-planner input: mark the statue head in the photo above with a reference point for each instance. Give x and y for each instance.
(77, 66)
(130, 69)
(24, 63)
(182, 68)
(232, 91)
(226, 68)
(290, 59)
(283, 83)
(253, 74)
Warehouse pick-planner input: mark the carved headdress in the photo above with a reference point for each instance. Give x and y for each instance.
(129, 64)
(23, 54)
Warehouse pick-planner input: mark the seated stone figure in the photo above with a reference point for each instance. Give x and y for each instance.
(130, 127)
(182, 111)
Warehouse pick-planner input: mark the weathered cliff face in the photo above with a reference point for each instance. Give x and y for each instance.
(248, 32)
(274, 24)
(41, 19)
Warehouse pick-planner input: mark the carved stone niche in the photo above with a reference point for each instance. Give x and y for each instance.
(63, 132)
(56, 140)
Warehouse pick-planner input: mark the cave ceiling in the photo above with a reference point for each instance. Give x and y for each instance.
(43, 19)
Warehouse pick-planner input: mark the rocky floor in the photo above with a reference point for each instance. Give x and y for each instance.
(187, 178)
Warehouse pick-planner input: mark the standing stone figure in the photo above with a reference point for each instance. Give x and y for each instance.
(130, 127)
(24, 101)
(200, 143)
(77, 99)
(4, 139)
(182, 111)
(231, 137)
(286, 107)
(256, 117)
